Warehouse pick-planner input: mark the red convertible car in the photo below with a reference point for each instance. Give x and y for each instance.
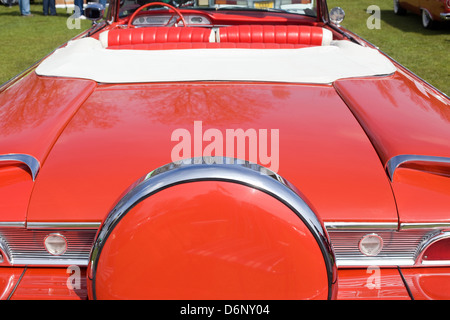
(223, 149)
(431, 11)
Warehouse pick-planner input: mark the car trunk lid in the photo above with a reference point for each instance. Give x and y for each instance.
(123, 132)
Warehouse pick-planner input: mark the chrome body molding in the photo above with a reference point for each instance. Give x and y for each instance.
(12, 224)
(402, 246)
(31, 162)
(216, 169)
(50, 225)
(63, 225)
(360, 225)
(397, 161)
(425, 225)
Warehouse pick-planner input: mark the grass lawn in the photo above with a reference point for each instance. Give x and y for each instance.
(25, 40)
(425, 52)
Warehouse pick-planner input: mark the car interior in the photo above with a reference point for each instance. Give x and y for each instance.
(284, 24)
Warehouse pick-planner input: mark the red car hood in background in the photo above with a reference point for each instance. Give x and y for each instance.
(122, 132)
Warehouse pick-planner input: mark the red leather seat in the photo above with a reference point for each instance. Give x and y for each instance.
(240, 36)
(134, 36)
(290, 34)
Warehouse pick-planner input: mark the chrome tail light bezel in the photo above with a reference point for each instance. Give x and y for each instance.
(439, 235)
(403, 246)
(23, 245)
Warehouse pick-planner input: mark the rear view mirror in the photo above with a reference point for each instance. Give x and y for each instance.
(337, 15)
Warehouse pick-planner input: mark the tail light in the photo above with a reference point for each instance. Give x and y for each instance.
(45, 245)
(362, 244)
(438, 251)
(55, 244)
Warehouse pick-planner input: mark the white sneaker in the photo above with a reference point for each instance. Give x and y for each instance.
(82, 17)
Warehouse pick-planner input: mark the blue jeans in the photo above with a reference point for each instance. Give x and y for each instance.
(24, 6)
(79, 4)
(103, 2)
(49, 7)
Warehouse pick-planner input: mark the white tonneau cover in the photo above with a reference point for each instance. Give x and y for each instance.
(87, 59)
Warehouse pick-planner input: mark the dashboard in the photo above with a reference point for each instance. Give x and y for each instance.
(170, 19)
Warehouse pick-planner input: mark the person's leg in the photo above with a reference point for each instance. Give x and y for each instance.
(45, 7)
(52, 6)
(24, 7)
(79, 5)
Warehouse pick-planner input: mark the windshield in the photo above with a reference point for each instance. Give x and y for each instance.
(302, 7)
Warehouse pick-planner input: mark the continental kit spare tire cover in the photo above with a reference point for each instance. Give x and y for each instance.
(203, 231)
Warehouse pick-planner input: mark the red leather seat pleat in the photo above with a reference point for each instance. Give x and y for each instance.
(118, 37)
(291, 34)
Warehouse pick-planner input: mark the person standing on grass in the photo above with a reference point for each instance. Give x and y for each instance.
(24, 6)
(49, 7)
(79, 13)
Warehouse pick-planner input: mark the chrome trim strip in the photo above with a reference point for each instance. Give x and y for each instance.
(361, 225)
(376, 262)
(32, 163)
(63, 225)
(396, 161)
(424, 225)
(12, 224)
(436, 263)
(50, 225)
(384, 225)
(216, 169)
(19, 262)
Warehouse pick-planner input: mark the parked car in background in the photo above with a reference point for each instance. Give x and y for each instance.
(431, 11)
(7, 3)
(223, 149)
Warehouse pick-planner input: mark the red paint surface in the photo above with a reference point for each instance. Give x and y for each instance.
(122, 132)
(405, 116)
(371, 284)
(432, 283)
(51, 284)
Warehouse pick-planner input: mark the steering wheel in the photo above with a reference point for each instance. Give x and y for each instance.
(151, 4)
